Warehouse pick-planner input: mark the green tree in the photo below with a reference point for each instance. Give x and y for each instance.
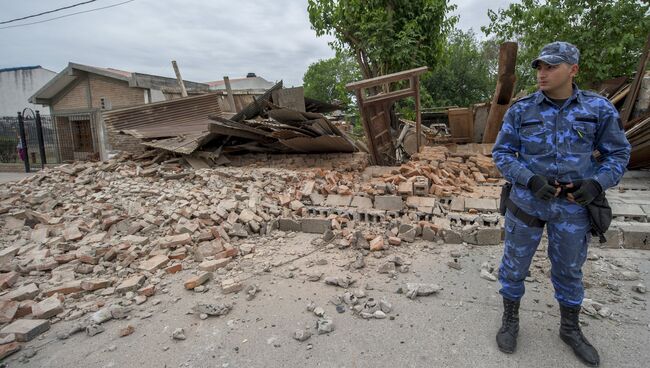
(609, 34)
(467, 73)
(325, 79)
(384, 36)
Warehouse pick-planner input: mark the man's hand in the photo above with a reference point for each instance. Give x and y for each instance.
(586, 191)
(541, 188)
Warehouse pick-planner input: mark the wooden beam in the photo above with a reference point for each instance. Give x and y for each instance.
(626, 111)
(503, 93)
(388, 78)
(179, 79)
(231, 98)
(390, 96)
(415, 83)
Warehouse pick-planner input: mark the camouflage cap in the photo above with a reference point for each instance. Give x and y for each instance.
(556, 53)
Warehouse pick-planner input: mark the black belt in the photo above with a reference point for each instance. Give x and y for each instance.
(523, 216)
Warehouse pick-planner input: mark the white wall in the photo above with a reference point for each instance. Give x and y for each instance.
(17, 86)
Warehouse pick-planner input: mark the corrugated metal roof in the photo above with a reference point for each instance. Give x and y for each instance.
(165, 118)
(185, 144)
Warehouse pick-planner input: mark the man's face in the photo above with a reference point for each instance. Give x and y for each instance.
(552, 77)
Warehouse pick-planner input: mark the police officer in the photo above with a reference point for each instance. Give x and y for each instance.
(545, 149)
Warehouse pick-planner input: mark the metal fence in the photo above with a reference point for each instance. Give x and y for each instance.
(66, 138)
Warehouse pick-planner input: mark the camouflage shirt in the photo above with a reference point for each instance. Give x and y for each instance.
(540, 137)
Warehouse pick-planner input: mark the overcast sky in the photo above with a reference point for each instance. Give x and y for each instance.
(209, 38)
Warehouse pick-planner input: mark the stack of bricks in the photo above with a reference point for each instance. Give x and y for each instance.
(449, 174)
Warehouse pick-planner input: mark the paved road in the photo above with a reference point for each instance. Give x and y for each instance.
(6, 177)
(453, 329)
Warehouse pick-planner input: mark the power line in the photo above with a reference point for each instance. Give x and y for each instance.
(47, 12)
(68, 15)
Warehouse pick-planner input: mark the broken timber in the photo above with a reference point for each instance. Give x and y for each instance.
(503, 94)
(376, 111)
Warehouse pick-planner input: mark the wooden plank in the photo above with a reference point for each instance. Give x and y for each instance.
(415, 83)
(390, 96)
(626, 111)
(460, 123)
(503, 94)
(181, 84)
(388, 78)
(231, 98)
(196, 162)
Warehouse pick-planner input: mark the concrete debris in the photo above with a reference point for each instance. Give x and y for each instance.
(359, 261)
(344, 281)
(94, 329)
(319, 312)
(324, 326)
(126, 331)
(487, 272)
(219, 309)
(178, 334)
(302, 335)
(413, 290)
(231, 286)
(640, 288)
(455, 264)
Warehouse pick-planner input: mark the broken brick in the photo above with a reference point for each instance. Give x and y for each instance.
(197, 280)
(154, 263)
(26, 329)
(174, 268)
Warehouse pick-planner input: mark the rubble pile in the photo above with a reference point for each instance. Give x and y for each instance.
(436, 171)
(90, 240)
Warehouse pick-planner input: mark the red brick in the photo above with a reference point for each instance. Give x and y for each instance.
(26, 329)
(47, 308)
(198, 280)
(174, 241)
(174, 268)
(8, 279)
(154, 263)
(130, 284)
(180, 253)
(8, 349)
(65, 288)
(24, 308)
(95, 284)
(65, 258)
(147, 291)
(377, 243)
(8, 309)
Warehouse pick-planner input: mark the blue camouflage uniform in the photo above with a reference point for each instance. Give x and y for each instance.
(539, 137)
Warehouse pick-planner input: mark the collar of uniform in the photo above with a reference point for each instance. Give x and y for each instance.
(575, 95)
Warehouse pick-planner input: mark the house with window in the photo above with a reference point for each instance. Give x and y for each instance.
(77, 96)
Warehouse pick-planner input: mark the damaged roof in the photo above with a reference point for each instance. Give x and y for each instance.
(75, 71)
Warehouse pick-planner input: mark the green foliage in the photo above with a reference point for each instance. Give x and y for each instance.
(325, 80)
(384, 36)
(609, 34)
(466, 75)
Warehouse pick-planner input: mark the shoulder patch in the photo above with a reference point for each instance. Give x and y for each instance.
(522, 99)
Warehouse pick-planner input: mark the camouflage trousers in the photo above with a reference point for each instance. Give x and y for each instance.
(568, 238)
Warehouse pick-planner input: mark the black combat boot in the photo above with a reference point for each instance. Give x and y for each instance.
(507, 335)
(570, 333)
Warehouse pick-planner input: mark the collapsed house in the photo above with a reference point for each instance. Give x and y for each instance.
(280, 121)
